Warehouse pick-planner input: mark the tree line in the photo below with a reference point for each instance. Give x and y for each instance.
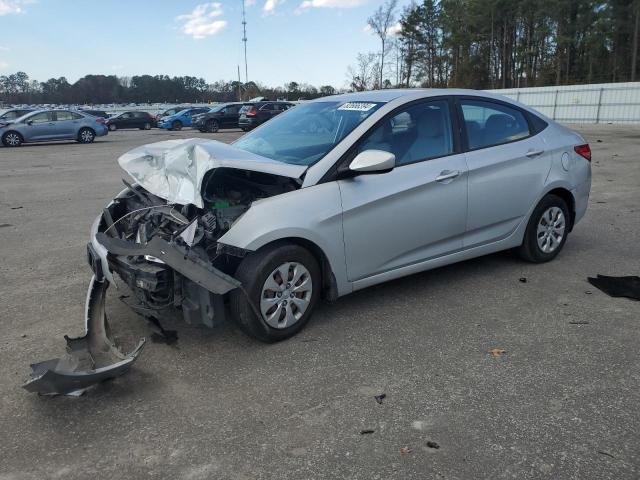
(17, 88)
(488, 44)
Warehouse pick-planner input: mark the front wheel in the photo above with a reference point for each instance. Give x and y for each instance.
(176, 125)
(147, 126)
(212, 126)
(12, 139)
(547, 230)
(86, 135)
(112, 127)
(283, 283)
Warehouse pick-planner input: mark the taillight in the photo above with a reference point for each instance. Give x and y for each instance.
(252, 112)
(100, 120)
(584, 151)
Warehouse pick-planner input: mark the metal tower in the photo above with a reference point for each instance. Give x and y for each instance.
(244, 39)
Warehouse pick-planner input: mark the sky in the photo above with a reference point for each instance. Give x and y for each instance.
(306, 41)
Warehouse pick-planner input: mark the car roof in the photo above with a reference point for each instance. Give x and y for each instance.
(385, 96)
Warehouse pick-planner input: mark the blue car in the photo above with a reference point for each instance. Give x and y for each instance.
(184, 118)
(49, 125)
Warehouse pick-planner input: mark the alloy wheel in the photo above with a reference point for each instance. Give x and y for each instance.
(86, 136)
(12, 139)
(285, 295)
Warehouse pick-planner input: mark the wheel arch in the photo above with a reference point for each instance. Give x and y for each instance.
(328, 279)
(567, 196)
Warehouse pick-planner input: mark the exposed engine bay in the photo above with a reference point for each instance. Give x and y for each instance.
(166, 252)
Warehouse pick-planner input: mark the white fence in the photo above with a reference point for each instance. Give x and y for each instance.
(596, 103)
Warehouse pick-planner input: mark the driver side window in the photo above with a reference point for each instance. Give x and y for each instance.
(419, 132)
(43, 117)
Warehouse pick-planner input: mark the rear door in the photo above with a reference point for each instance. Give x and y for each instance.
(417, 211)
(231, 116)
(65, 124)
(507, 168)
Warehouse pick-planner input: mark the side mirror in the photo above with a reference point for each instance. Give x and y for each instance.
(373, 161)
(29, 122)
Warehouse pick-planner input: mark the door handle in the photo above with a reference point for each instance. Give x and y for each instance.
(534, 153)
(447, 175)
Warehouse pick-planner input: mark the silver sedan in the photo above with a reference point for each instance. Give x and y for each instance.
(327, 198)
(339, 194)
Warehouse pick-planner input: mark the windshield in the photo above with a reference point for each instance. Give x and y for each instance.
(305, 134)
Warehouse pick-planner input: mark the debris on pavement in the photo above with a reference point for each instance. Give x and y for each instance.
(431, 444)
(16, 208)
(380, 398)
(496, 352)
(523, 279)
(628, 287)
(366, 432)
(3, 225)
(605, 453)
(404, 450)
(90, 359)
(579, 322)
(161, 335)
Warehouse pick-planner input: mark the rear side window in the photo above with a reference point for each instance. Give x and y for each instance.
(268, 107)
(489, 123)
(64, 116)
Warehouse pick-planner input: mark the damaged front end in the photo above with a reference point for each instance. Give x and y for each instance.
(160, 236)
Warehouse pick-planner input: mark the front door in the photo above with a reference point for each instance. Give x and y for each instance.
(416, 212)
(39, 127)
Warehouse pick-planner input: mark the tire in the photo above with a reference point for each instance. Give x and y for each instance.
(541, 241)
(146, 126)
(112, 127)
(86, 135)
(255, 271)
(245, 129)
(176, 125)
(12, 139)
(212, 126)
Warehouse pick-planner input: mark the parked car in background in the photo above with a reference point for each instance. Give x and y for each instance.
(12, 114)
(96, 113)
(172, 111)
(134, 119)
(48, 125)
(181, 119)
(253, 115)
(220, 116)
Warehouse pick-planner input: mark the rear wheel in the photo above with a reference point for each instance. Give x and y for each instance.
(245, 129)
(212, 126)
(547, 230)
(176, 125)
(147, 126)
(86, 135)
(283, 284)
(12, 139)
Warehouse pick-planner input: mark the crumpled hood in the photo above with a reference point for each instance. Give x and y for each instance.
(174, 169)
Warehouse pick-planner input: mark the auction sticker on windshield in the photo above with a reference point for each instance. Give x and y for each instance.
(357, 106)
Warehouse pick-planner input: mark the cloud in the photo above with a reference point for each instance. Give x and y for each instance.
(331, 3)
(270, 6)
(4, 49)
(8, 7)
(202, 21)
(249, 3)
(393, 30)
(3, 65)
